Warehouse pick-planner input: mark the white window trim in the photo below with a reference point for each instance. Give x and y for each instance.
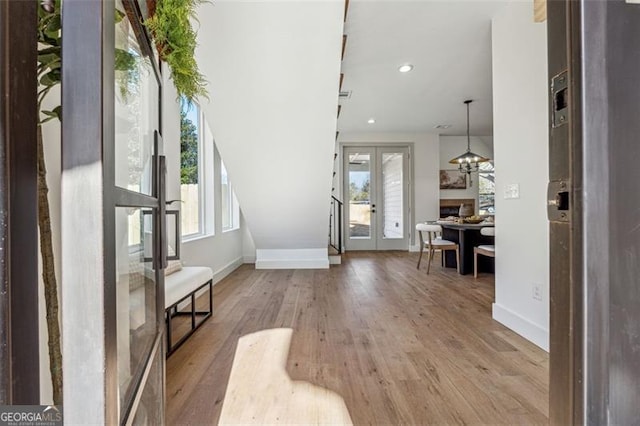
(232, 202)
(235, 212)
(206, 222)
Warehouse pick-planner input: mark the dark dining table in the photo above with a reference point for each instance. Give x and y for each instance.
(468, 236)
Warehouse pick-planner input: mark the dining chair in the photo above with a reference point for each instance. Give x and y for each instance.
(433, 242)
(484, 249)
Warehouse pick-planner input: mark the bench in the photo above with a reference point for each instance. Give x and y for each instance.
(180, 288)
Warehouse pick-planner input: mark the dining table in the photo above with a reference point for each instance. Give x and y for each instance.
(468, 236)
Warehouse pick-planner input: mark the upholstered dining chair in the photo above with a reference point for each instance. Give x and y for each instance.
(432, 243)
(484, 249)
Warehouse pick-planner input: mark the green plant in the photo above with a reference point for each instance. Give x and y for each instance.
(49, 76)
(175, 40)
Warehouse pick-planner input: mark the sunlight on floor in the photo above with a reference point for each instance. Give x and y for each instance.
(261, 392)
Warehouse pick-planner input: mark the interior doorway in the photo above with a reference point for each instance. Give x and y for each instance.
(376, 191)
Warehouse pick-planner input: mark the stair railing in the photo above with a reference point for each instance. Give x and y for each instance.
(335, 224)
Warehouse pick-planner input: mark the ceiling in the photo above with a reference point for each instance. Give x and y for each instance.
(449, 44)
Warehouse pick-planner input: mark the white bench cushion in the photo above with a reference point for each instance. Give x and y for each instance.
(183, 282)
(440, 242)
(487, 248)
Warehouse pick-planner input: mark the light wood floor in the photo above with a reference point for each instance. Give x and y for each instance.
(398, 345)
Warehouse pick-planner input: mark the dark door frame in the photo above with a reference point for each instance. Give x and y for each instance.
(595, 247)
(19, 339)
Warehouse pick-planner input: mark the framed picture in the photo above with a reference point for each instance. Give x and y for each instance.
(453, 179)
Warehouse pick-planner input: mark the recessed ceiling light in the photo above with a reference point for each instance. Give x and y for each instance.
(442, 126)
(371, 120)
(405, 68)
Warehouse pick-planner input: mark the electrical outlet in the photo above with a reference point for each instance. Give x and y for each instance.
(537, 291)
(511, 191)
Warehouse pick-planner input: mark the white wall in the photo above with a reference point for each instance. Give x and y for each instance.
(424, 193)
(453, 146)
(521, 149)
(221, 251)
(273, 69)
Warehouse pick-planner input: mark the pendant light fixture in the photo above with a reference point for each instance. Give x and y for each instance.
(469, 161)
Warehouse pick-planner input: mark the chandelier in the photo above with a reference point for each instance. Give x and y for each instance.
(469, 161)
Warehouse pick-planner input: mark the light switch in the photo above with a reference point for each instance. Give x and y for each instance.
(512, 191)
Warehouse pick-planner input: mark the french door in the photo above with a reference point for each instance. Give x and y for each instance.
(376, 193)
(114, 217)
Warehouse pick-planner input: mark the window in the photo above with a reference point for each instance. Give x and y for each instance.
(191, 170)
(487, 188)
(230, 208)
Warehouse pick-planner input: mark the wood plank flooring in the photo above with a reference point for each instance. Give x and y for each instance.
(400, 346)
(259, 375)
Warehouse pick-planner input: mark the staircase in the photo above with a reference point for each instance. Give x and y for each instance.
(273, 69)
(336, 243)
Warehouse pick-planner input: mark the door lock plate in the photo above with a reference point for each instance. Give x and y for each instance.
(558, 201)
(560, 99)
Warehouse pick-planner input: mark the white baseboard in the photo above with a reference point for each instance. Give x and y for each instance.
(527, 329)
(292, 259)
(335, 259)
(249, 258)
(221, 273)
(414, 248)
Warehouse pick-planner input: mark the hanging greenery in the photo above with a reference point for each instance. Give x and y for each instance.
(175, 39)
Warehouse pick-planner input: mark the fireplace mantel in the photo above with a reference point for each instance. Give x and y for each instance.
(450, 206)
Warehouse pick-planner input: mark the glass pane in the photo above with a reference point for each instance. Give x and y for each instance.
(173, 240)
(227, 198)
(135, 298)
(359, 200)
(136, 109)
(486, 188)
(190, 189)
(149, 410)
(392, 195)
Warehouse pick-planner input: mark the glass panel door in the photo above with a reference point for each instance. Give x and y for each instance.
(113, 206)
(140, 222)
(360, 207)
(377, 198)
(393, 233)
